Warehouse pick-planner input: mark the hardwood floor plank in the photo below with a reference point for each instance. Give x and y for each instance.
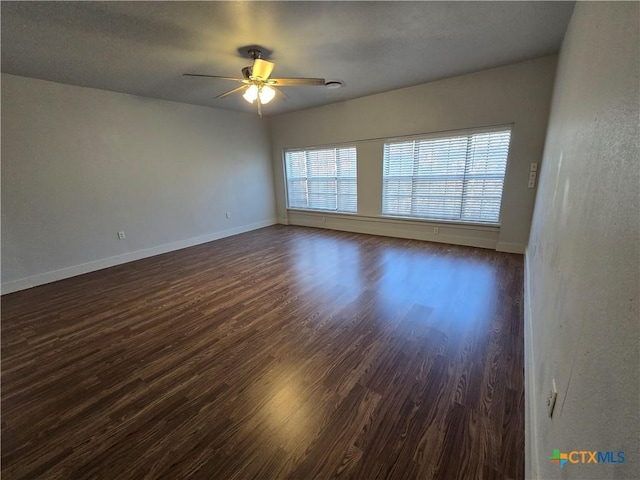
(281, 353)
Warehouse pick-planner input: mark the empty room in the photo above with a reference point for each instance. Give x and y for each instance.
(318, 240)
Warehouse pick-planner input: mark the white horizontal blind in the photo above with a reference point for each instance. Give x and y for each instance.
(448, 178)
(323, 179)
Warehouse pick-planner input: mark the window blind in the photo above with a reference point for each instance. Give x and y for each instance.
(456, 178)
(322, 179)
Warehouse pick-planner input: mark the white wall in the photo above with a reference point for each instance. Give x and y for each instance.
(80, 164)
(583, 258)
(518, 94)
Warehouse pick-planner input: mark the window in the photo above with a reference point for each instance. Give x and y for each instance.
(456, 177)
(322, 179)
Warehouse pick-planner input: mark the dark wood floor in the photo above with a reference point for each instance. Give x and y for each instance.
(283, 353)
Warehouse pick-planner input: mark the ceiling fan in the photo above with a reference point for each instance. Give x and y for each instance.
(257, 85)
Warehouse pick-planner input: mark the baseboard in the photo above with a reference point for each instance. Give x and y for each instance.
(511, 247)
(72, 271)
(455, 234)
(530, 443)
(16, 285)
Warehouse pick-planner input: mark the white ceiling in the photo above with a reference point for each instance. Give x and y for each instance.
(144, 47)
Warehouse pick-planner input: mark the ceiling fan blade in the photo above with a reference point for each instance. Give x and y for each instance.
(280, 93)
(242, 80)
(262, 69)
(237, 89)
(296, 82)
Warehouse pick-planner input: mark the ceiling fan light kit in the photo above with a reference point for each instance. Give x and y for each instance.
(259, 86)
(251, 93)
(263, 92)
(266, 94)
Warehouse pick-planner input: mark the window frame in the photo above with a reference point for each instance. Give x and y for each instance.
(285, 151)
(443, 135)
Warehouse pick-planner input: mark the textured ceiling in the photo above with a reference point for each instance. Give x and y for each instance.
(144, 47)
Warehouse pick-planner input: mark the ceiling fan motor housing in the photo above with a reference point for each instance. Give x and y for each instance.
(261, 69)
(256, 81)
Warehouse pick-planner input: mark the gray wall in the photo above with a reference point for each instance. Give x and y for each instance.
(518, 94)
(79, 165)
(583, 256)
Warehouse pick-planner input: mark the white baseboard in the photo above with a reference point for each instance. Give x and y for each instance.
(456, 234)
(511, 247)
(530, 423)
(72, 271)
(16, 285)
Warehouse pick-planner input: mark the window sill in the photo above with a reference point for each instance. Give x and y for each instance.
(398, 220)
(442, 222)
(321, 212)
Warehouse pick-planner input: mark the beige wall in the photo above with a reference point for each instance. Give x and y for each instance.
(517, 94)
(79, 165)
(583, 270)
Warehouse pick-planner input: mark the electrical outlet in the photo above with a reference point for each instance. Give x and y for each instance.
(121, 235)
(551, 399)
(228, 214)
(436, 230)
(532, 180)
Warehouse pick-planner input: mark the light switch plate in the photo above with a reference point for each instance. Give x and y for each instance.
(532, 180)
